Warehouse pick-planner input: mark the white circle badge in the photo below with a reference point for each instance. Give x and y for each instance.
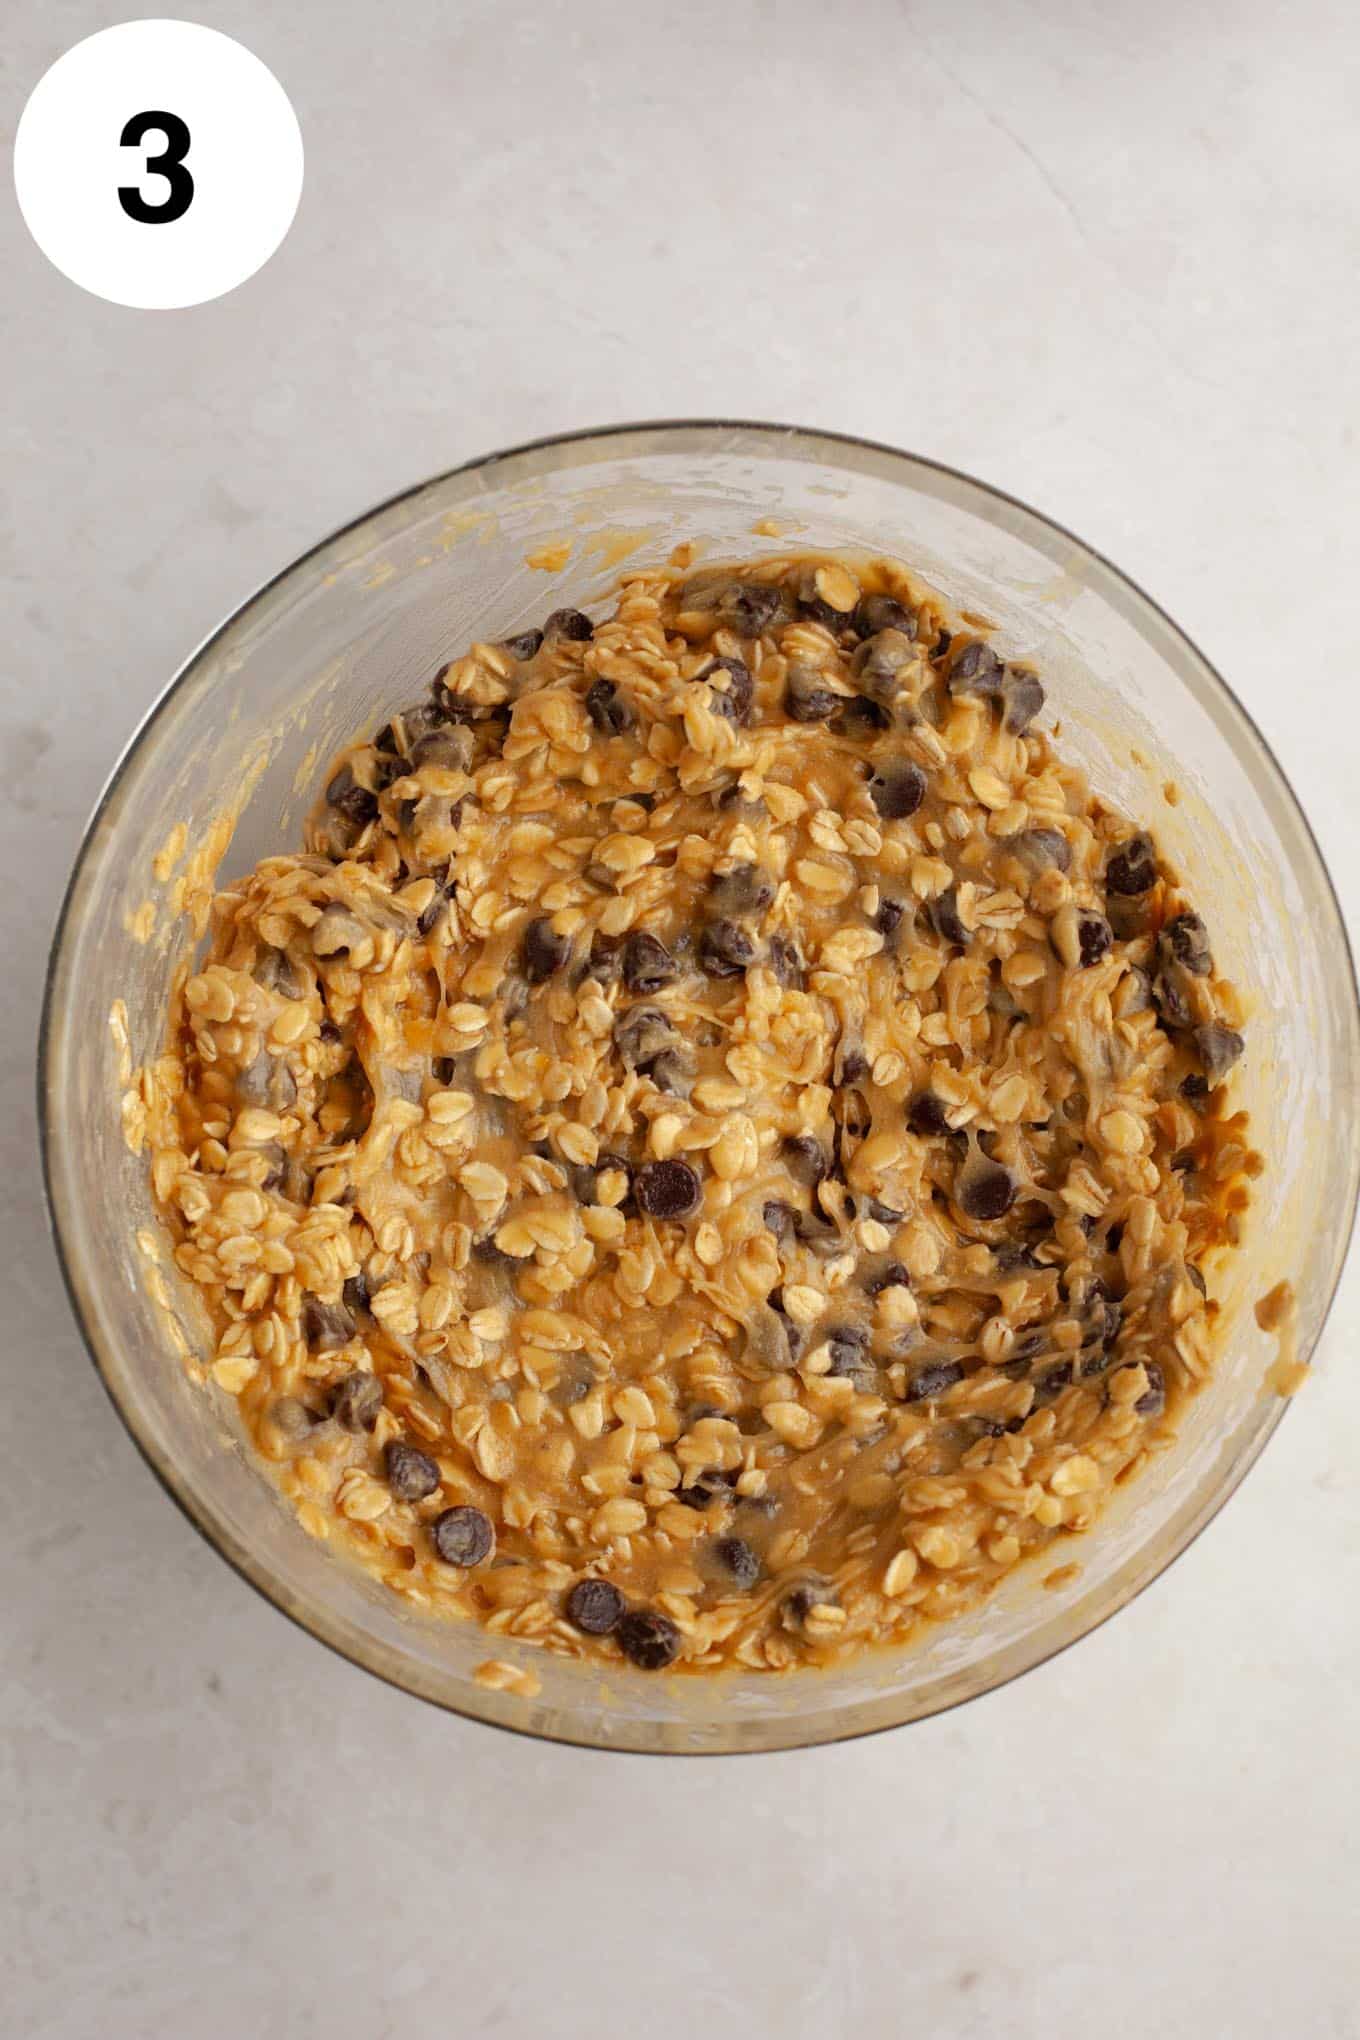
(158, 164)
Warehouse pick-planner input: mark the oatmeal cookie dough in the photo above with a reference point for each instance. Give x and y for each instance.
(714, 1151)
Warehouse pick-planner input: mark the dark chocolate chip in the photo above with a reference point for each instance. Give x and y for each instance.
(986, 1189)
(925, 1115)
(1194, 1086)
(730, 687)
(1173, 1007)
(848, 1345)
(573, 624)
(852, 1066)
(1040, 849)
(785, 962)
(860, 719)
(943, 915)
(1023, 694)
(744, 890)
(894, 1276)
(449, 749)
(807, 698)
(1219, 1048)
(358, 806)
(725, 950)
(356, 1294)
(975, 670)
(673, 1072)
(608, 710)
(888, 918)
(935, 1380)
(879, 663)
(750, 607)
(874, 613)
(411, 1475)
(641, 1034)
(669, 1189)
(1095, 939)
(647, 963)
(544, 951)
(735, 1555)
(1052, 1382)
(781, 1218)
(463, 1536)
(1132, 868)
(897, 791)
(595, 1607)
(1186, 940)
(292, 1419)
(356, 1400)
(524, 646)
(431, 916)
(325, 1325)
(805, 1158)
(649, 1641)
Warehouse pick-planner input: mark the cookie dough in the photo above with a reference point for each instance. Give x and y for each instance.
(715, 1150)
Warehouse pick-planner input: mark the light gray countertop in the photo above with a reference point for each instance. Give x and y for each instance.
(1105, 258)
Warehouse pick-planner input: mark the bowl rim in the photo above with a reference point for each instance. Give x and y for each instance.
(313, 1621)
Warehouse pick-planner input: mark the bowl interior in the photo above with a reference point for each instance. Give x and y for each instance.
(356, 629)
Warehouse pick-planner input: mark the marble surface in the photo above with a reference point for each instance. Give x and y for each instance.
(1103, 257)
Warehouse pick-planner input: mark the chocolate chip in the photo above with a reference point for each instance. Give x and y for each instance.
(1173, 1007)
(878, 665)
(544, 951)
(595, 1607)
(785, 962)
(975, 670)
(672, 1072)
(1153, 1401)
(925, 1115)
(1186, 940)
(649, 1641)
(744, 890)
(356, 1400)
(1052, 1382)
(524, 646)
(725, 950)
(463, 1536)
(935, 1380)
(848, 1345)
(1194, 1086)
(411, 1475)
(888, 918)
(1040, 849)
(735, 1555)
(351, 800)
(1197, 1277)
(292, 1419)
(807, 698)
(1095, 939)
(805, 1159)
(325, 1325)
(780, 1218)
(851, 1065)
(1132, 868)
(572, 624)
(894, 1276)
(647, 963)
(897, 791)
(711, 1486)
(641, 1034)
(608, 710)
(1023, 694)
(730, 689)
(668, 1189)
(356, 1294)
(1219, 1048)
(750, 607)
(449, 749)
(812, 1593)
(986, 1190)
(432, 915)
(860, 719)
(943, 915)
(874, 613)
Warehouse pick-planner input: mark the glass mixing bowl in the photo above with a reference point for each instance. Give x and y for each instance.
(357, 627)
